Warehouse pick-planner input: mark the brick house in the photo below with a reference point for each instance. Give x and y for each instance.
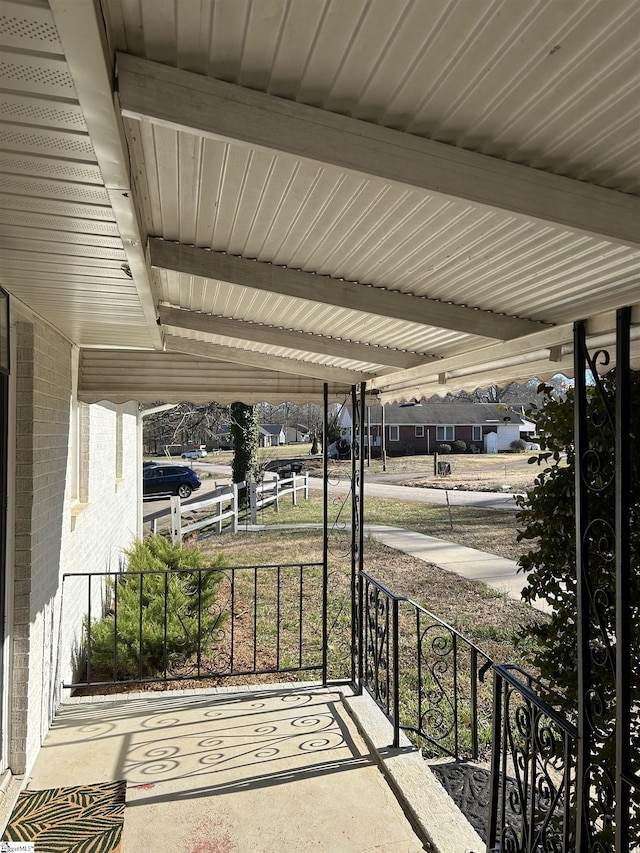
(418, 429)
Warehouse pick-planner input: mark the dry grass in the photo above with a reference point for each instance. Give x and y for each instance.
(484, 616)
(493, 531)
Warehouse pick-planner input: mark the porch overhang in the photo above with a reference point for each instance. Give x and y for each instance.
(218, 201)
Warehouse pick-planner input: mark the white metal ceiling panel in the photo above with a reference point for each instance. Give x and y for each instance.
(227, 300)
(550, 84)
(306, 216)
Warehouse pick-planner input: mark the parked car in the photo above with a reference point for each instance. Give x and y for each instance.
(197, 453)
(283, 467)
(169, 480)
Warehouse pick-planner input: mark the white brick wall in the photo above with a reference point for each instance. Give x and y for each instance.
(46, 546)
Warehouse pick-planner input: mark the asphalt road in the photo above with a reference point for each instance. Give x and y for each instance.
(380, 485)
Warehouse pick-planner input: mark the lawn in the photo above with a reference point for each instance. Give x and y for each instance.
(493, 531)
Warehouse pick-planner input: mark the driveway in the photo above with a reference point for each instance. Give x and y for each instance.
(378, 489)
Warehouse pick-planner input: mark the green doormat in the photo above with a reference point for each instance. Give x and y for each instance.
(82, 819)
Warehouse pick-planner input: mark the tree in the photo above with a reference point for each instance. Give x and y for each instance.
(547, 520)
(185, 424)
(244, 431)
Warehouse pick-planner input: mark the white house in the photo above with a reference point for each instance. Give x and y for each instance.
(276, 432)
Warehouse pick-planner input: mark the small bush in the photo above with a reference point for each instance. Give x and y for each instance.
(444, 448)
(157, 572)
(459, 446)
(518, 445)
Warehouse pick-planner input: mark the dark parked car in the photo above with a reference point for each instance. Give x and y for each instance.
(284, 467)
(169, 480)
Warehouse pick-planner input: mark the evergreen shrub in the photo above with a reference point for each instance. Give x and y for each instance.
(546, 520)
(157, 571)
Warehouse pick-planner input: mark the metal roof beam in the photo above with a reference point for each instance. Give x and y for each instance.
(211, 108)
(544, 344)
(216, 352)
(258, 275)
(275, 336)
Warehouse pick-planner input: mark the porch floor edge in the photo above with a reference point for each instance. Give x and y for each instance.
(436, 818)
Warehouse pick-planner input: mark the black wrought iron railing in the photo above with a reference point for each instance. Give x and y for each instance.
(423, 674)
(532, 803)
(153, 626)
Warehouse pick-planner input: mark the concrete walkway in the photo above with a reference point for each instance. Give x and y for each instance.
(497, 572)
(282, 768)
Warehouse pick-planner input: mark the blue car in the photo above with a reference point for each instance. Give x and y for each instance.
(161, 480)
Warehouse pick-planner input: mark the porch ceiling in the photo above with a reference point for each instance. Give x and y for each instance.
(422, 196)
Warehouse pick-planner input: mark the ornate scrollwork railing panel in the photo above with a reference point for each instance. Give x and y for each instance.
(443, 677)
(533, 782)
(378, 676)
(605, 587)
(423, 674)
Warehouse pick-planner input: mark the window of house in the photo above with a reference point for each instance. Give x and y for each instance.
(476, 433)
(394, 433)
(119, 437)
(445, 433)
(80, 441)
(419, 432)
(80, 418)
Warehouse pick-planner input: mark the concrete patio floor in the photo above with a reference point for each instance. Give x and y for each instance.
(273, 769)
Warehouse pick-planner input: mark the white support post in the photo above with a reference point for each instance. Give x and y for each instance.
(306, 485)
(176, 521)
(294, 495)
(277, 498)
(234, 508)
(253, 500)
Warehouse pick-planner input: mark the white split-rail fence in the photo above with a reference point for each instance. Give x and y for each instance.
(225, 507)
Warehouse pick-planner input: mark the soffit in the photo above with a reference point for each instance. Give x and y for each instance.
(61, 245)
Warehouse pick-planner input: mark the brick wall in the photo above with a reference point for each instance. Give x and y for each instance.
(54, 534)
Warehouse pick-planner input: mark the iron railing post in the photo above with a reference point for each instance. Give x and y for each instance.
(474, 704)
(496, 744)
(356, 611)
(623, 600)
(325, 527)
(582, 598)
(395, 675)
